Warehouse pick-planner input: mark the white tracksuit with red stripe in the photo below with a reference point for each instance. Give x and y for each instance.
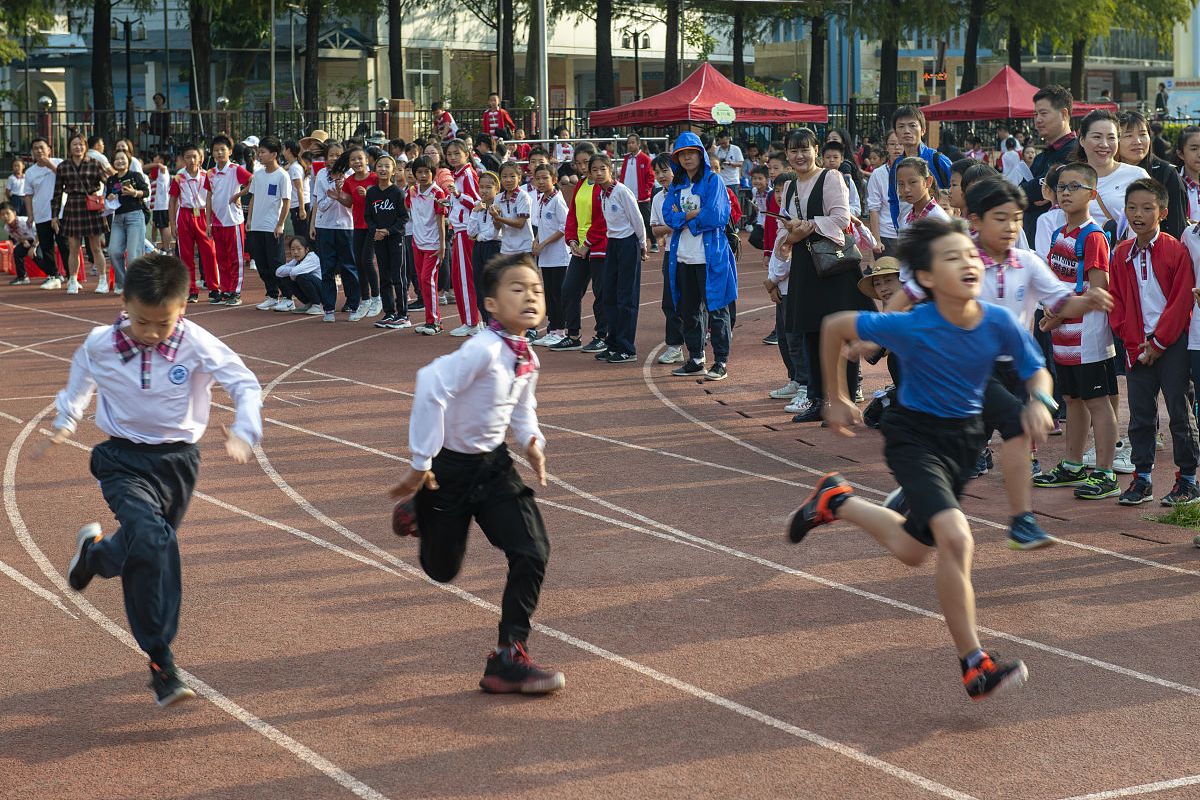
(466, 185)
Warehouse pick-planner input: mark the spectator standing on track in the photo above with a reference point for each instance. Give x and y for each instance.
(637, 174)
(189, 220)
(550, 250)
(269, 202)
(14, 187)
(586, 239)
(731, 160)
(463, 405)
(1135, 148)
(128, 189)
(159, 176)
(154, 372)
(485, 233)
(427, 212)
(659, 229)
(464, 193)
(884, 227)
(332, 226)
(40, 179)
(1187, 149)
(386, 217)
(908, 123)
(79, 178)
(623, 262)
(228, 183)
(354, 197)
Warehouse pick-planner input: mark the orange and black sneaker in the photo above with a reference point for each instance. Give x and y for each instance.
(988, 677)
(167, 686)
(816, 508)
(510, 669)
(78, 574)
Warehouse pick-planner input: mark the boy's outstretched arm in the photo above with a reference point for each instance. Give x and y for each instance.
(71, 402)
(243, 388)
(527, 431)
(837, 331)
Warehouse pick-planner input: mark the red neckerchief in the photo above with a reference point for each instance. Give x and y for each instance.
(913, 216)
(1143, 256)
(526, 360)
(1010, 260)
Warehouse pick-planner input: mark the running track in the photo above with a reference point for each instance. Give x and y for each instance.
(704, 656)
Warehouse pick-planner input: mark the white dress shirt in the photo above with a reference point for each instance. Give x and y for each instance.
(516, 206)
(39, 187)
(175, 406)
(622, 214)
(330, 214)
(551, 218)
(482, 227)
(466, 401)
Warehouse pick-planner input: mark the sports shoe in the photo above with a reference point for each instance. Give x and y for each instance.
(416, 305)
(233, 299)
(51, 283)
(303, 308)
(1035, 467)
(400, 323)
(1058, 428)
(1098, 486)
(461, 331)
(1184, 493)
(785, 392)
(596, 345)
(192, 298)
(386, 321)
(1025, 534)
(19, 282)
(444, 299)
(168, 688)
(811, 413)
(799, 401)
(314, 310)
(717, 372)
(73, 287)
(1123, 459)
(102, 287)
(358, 313)
(1089, 458)
(672, 355)
(215, 298)
(544, 341)
(690, 369)
(78, 574)
(771, 338)
(480, 327)
(1061, 475)
(510, 669)
(328, 317)
(376, 307)
(267, 304)
(567, 343)
(1139, 491)
(284, 305)
(620, 358)
(428, 329)
(983, 463)
(988, 677)
(815, 509)
(859, 397)
(601, 355)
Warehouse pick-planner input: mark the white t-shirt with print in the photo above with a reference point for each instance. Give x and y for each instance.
(690, 249)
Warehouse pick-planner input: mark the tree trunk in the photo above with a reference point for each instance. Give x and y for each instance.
(395, 17)
(816, 64)
(102, 88)
(240, 65)
(604, 56)
(533, 54)
(1078, 54)
(671, 54)
(1014, 45)
(970, 78)
(508, 60)
(739, 45)
(889, 59)
(312, 61)
(201, 61)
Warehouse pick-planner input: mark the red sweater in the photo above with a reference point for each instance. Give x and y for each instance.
(1172, 267)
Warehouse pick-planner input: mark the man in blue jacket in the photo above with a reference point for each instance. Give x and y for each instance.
(908, 123)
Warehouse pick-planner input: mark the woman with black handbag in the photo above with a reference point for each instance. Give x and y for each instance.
(825, 262)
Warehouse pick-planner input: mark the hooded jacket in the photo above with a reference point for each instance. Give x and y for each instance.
(721, 275)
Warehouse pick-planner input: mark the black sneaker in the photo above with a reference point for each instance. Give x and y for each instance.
(600, 355)
(416, 305)
(690, 369)
(193, 298)
(813, 413)
(1098, 486)
(1061, 475)
(567, 343)
(717, 373)
(1139, 491)
(512, 670)
(815, 509)
(168, 688)
(386, 321)
(1184, 493)
(771, 338)
(215, 298)
(19, 282)
(233, 299)
(988, 677)
(78, 575)
(596, 345)
(620, 358)
(983, 463)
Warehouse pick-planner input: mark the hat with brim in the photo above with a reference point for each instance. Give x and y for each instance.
(883, 266)
(314, 140)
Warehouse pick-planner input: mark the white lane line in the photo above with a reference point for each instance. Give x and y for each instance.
(31, 397)
(1145, 788)
(648, 378)
(11, 418)
(18, 349)
(265, 729)
(36, 352)
(264, 327)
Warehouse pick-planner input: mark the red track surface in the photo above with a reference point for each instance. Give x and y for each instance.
(704, 656)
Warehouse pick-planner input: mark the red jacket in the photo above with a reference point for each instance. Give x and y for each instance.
(735, 208)
(596, 237)
(1172, 267)
(645, 176)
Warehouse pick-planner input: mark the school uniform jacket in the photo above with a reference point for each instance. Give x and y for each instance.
(586, 215)
(1172, 267)
(645, 175)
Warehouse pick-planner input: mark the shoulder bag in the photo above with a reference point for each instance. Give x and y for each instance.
(829, 258)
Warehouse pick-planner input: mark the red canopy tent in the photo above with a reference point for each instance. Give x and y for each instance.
(1006, 96)
(693, 100)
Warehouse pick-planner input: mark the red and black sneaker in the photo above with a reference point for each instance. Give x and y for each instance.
(815, 510)
(512, 670)
(404, 518)
(988, 677)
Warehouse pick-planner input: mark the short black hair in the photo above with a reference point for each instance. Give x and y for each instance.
(484, 139)
(6, 206)
(1060, 98)
(835, 146)
(916, 242)
(94, 140)
(801, 138)
(909, 112)
(977, 173)
(156, 279)
(37, 139)
(661, 160)
(990, 193)
(421, 162)
(600, 158)
(494, 94)
(961, 166)
(271, 144)
(1083, 168)
(1148, 185)
(778, 155)
(493, 271)
(760, 169)
(585, 147)
(783, 179)
(221, 138)
(190, 146)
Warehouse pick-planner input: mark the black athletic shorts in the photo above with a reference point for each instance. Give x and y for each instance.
(1088, 381)
(161, 219)
(931, 459)
(1003, 401)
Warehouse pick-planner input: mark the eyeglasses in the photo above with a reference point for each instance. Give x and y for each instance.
(1071, 188)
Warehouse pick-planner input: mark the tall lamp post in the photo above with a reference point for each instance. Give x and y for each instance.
(127, 34)
(639, 40)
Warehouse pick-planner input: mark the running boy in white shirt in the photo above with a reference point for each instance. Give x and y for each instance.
(154, 372)
(463, 406)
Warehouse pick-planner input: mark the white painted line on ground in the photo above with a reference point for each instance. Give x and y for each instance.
(31, 397)
(1145, 788)
(20, 348)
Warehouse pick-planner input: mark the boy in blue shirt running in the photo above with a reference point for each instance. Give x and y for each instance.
(947, 349)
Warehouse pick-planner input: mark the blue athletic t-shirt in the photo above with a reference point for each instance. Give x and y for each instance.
(947, 367)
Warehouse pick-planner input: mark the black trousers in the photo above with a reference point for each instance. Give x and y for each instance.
(267, 252)
(19, 253)
(306, 288)
(1170, 376)
(816, 387)
(791, 347)
(410, 264)
(674, 325)
(697, 318)
(48, 242)
(622, 292)
(393, 281)
(552, 281)
(481, 254)
(580, 272)
(364, 257)
(485, 487)
(148, 488)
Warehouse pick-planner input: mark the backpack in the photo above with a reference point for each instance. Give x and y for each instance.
(1080, 244)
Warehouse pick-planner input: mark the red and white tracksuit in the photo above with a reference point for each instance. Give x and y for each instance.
(191, 227)
(228, 224)
(426, 211)
(461, 274)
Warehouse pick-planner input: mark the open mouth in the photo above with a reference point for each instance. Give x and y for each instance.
(970, 278)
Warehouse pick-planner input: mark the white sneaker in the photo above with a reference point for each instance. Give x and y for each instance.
(102, 287)
(549, 339)
(479, 328)
(51, 283)
(315, 310)
(268, 304)
(73, 286)
(285, 304)
(1123, 459)
(376, 307)
(786, 392)
(799, 402)
(672, 355)
(359, 312)
(444, 299)
(463, 330)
